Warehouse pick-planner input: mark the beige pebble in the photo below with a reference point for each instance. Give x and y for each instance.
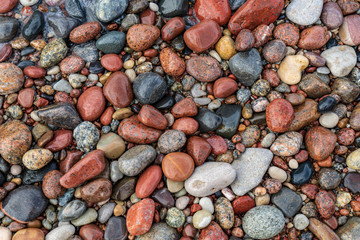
(291, 67)
(277, 173)
(293, 164)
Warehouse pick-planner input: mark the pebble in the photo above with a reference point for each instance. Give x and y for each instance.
(331, 15)
(11, 79)
(140, 217)
(116, 228)
(329, 120)
(320, 150)
(218, 11)
(29, 234)
(172, 28)
(303, 12)
(5, 233)
(288, 201)
(204, 69)
(301, 221)
(112, 42)
(353, 160)
(171, 141)
(291, 67)
(9, 28)
(302, 174)
(287, 144)
(172, 64)
(61, 233)
(118, 91)
(134, 160)
(321, 230)
(263, 222)
(85, 32)
(350, 229)
(225, 47)
(277, 173)
(279, 115)
(159, 230)
(174, 217)
(351, 181)
(173, 8)
(313, 38)
(149, 87)
(51, 185)
(124, 189)
(340, 60)
(34, 26)
(148, 181)
(313, 86)
(35, 159)
(304, 114)
(224, 87)
(325, 204)
(250, 169)
(245, 40)
(62, 25)
(96, 191)
(288, 33)
(91, 104)
(8, 5)
(89, 216)
(106, 11)
(348, 33)
(141, 36)
(178, 166)
(201, 219)
(87, 136)
(53, 53)
(224, 213)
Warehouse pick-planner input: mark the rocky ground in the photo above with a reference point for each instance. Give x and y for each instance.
(179, 119)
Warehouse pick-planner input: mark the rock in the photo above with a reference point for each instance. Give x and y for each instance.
(86, 135)
(139, 217)
(124, 189)
(313, 86)
(91, 104)
(350, 230)
(171, 141)
(149, 87)
(313, 38)
(173, 8)
(148, 181)
(225, 47)
(172, 64)
(106, 11)
(34, 26)
(112, 145)
(315, 59)
(142, 36)
(288, 33)
(208, 120)
(185, 108)
(65, 231)
(277, 174)
(347, 90)
(329, 178)
(60, 140)
(62, 25)
(320, 142)
(7, 6)
(304, 115)
(90, 166)
(340, 60)
(250, 136)
(8, 29)
(355, 118)
(302, 174)
(132, 130)
(35, 159)
(198, 37)
(53, 53)
(11, 78)
(250, 169)
(279, 115)
(331, 15)
(287, 144)
(24, 204)
(321, 230)
(291, 67)
(209, 178)
(72, 64)
(224, 213)
(118, 90)
(161, 231)
(5, 52)
(134, 160)
(87, 51)
(348, 32)
(201, 219)
(187, 125)
(164, 197)
(353, 160)
(15, 140)
(96, 191)
(213, 231)
(301, 221)
(30, 176)
(174, 27)
(245, 40)
(199, 149)
(51, 185)
(274, 51)
(105, 212)
(219, 11)
(263, 222)
(325, 204)
(246, 66)
(178, 166)
(89, 216)
(204, 69)
(288, 201)
(116, 229)
(75, 9)
(90, 231)
(303, 12)
(85, 32)
(152, 117)
(231, 115)
(352, 182)
(112, 42)
(175, 218)
(254, 13)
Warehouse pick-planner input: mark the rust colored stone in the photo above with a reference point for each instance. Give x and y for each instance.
(320, 142)
(26, 97)
(213, 232)
(112, 62)
(217, 10)
(224, 87)
(62, 138)
(172, 28)
(72, 157)
(204, 69)
(7, 5)
(148, 181)
(152, 117)
(34, 71)
(85, 32)
(72, 64)
(325, 204)
(140, 216)
(245, 40)
(91, 232)
(187, 125)
(199, 149)
(91, 104)
(118, 90)
(279, 115)
(51, 185)
(288, 33)
(185, 108)
(178, 166)
(313, 38)
(141, 36)
(172, 64)
(97, 191)
(304, 115)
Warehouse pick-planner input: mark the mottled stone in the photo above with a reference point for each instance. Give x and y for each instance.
(287, 144)
(35, 159)
(350, 230)
(204, 69)
(107, 10)
(142, 36)
(321, 230)
(340, 60)
(133, 161)
(159, 231)
(85, 32)
(53, 53)
(320, 142)
(288, 201)
(11, 78)
(139, 218)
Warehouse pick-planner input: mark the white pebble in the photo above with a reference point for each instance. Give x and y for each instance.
(329, 120)
(206, 204)
(5, 233)
(53, 70)
(15, 169)
(293, 164)
(323, 70)
(93, 77)
(277, 173)
(28, 3)
(182, 202)
(300, 221)
(154, 7)
(131, 74)
(215, 55)
(34, 116)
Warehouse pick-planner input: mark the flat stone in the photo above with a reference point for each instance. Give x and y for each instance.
(288, 201)
(112, 42)
(133, 161)
(72, 211)
(321, 230)
(107, 11)
(8, 28)
(173, 8)
(350, 230)
(116, 229)
(303, 12)
(61, 233)
(352, 182)
(340, 60)
(89, 216)
(287, 144)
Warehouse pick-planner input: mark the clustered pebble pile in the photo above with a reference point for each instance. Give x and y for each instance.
(179, 119)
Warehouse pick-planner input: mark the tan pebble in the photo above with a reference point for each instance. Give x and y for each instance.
(119, 210)
(291, 67)
(122, 113)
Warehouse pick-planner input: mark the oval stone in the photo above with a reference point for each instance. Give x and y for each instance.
(141, 36)
(35, 159)
(279, 115)
(172, 64)
(148, 181)
(224, 87)
(118, 90)
(51, 185)
(53, 53)
(149, 87)
(320, 142)
(140, 216)
(72, 64)
(204, 69)
(172, 28)
(134, 160)
(96, 191)
(11, 78)
(91, 104)
(85, 32)
(152, 117)
(29, 234)
(112, 145)
(178, 166)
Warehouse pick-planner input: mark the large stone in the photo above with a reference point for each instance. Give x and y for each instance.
(108, 10)
(230, 115)
(288, 201)
(351, 230)
(53, 53)
(304, 12)
(349, 32)
(11, 78)
(340, 60)
(8, 29)
(116, 229)
(287, 144)
(250, 169)
(320, 142)
(321, 230)
(149, 87)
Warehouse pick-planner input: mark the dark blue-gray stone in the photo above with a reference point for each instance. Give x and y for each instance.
(8, 29)
(246, 66)
(108, 10)
(208, 120)
(288, 201)
(173, 8)
(149, 87)
(116, 229)
(112, 42)
(34, 26)
(165, 103)
(62, 25)
(231, 115)
(75, 10)
(326, 104)
(2, 179)
(25, 203)
(72, 211)
(34, 176)
(235, 4)
(87, 51)
(66, 197)
(302, 174)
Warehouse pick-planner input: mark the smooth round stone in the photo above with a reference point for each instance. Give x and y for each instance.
(204, 69)
(5, 233)
(152, 117)
(225, 47)
(352, 182)
(230, 115)
(11, 78)
(35, 159)
(148, 181)
(175, 218)
(29, 234)
(5, 51)
(72, 211)
(116, 228)
(320, 150)
(279, 115)
(172, 64)
(141, 36)
(245, 40)
(209, 178)
(174, 186)
(353, 160)
(331, 15)
(185, 108)
(89, 216)
(224, 213)
(105, 212)
(34, 26)
(300, 221)
(91, 231)
(87, 51)
(24, 204)
(329, 178)
(117, 90)
(348, 32)
(206, 204)
(208, 120)
(303, 12)
(274, 51)
(288, 201)
(291, 67)
(263, 222)
(62, 25)
(178, 166)
(124, 189)
(219, 11)
(202, 36)
(96, 191)
(246, 66)
(129, 21)
(182, 202)
(139, 217)
(325, 204)
(51, 185)
(201, 219)
(72, 64)
(15, 140)
(87, 136)
(133, 161)
(340, 60)
(112, 42)
(302, 174)
(111, 62)
(224, 87)
(112, 145)
(149, 87)
(106, 11)
(8, 5)
(313, 38)
(53, 53)
(171, 141)
(173, 8)
(277, 173)
(8, 28)
(85, 32)
(61, 233)
(174, 27)
(329, 120)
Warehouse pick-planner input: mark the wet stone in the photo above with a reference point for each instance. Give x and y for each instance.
(149, 87)
(302, 174)
(8, 28)
(107, 11)
(173, 8)
(31, 176)
(72, 211)
(352, 182)
(34, 26)
(86, 51)
(171, 141)
(53, 53)
(87, 136)
(175, 217)
(116, 228)
(288, 201)
(112, 42)
(133, 161)
(124, 189)
(230, 115)
(329, 178)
